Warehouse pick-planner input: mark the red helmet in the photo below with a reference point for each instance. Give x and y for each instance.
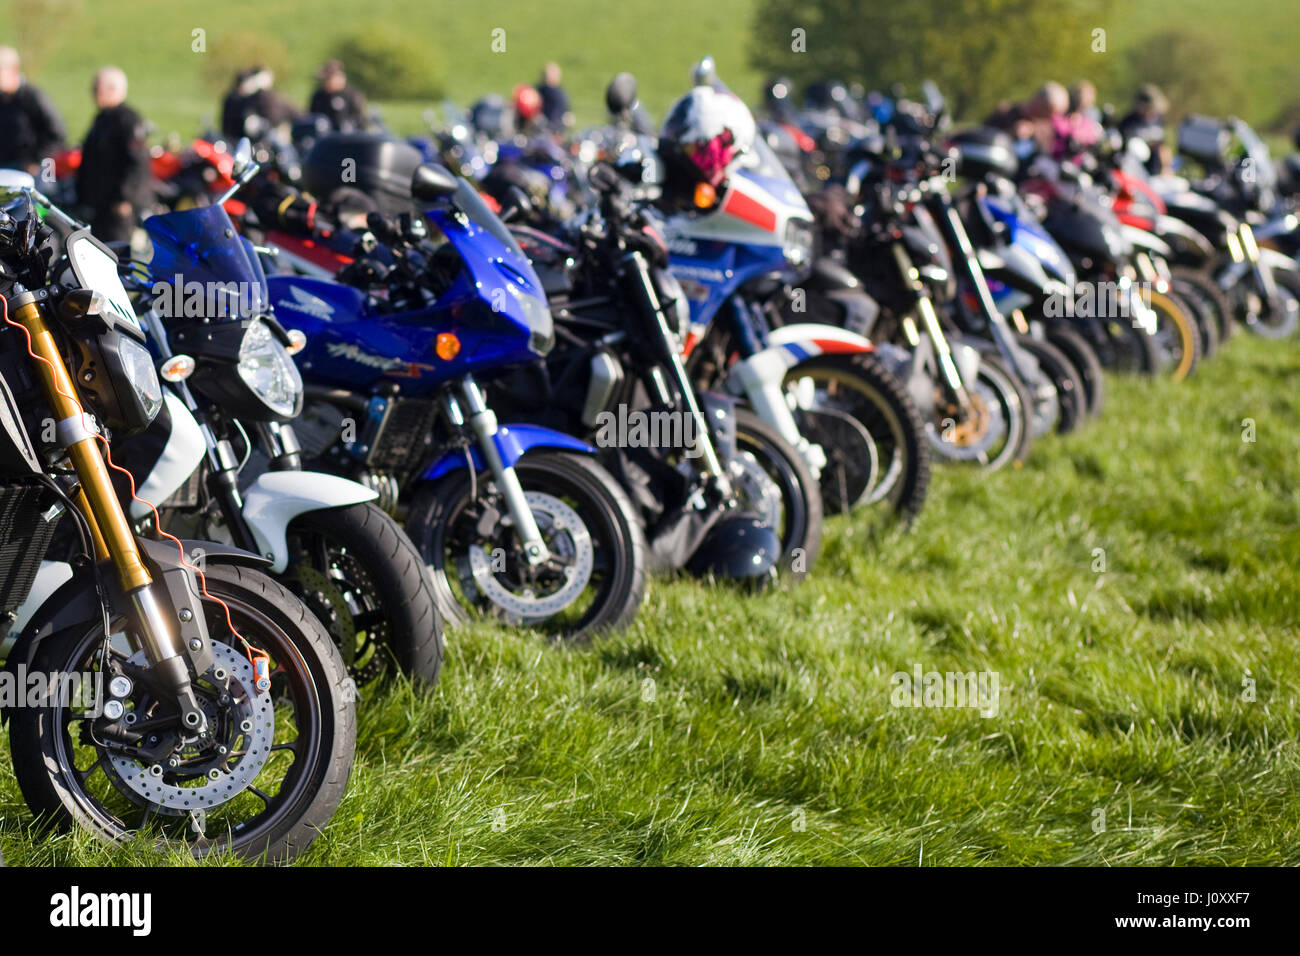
(528, 102)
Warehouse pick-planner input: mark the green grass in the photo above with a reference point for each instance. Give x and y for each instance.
(657, 40)
(1121, 691)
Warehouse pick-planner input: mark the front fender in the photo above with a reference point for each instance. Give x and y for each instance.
(816, 339)
(1278, 260)
(1146, 241)
(277, 497)
(512, 442)
(1187, 237)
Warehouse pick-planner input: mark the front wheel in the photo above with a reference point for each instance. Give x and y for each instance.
(1065, 381)
(996, 430)
(892, 467)
(1177, 337)
(264, 783)
(594, 577)
(361, 575)
(774, 480)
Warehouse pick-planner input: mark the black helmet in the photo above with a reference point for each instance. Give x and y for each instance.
(778, 97)
(830, 95)
(985, 151)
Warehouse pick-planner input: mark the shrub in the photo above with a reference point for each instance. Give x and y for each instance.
(231, 52)
(385, 64)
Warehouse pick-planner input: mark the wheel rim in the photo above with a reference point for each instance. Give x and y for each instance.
(95, 783)
(477, 566)
(344, 596)
(1175, 337)
(997, 437)
(850, 395)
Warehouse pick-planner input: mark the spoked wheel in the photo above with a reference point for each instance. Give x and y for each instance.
(1177, 338)
(774, 481)
(361, 575)
(594, 577)
(860, 387)
(262, 783)
(996, 432)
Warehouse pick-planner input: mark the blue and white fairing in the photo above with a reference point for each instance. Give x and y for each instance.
(762, 226)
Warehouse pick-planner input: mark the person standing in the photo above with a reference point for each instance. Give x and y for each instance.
(1146, 121)
(114, 181)
(341, 104)
(30, 127)
(555, 102)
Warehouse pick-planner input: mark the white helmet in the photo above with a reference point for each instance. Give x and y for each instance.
(710, 128)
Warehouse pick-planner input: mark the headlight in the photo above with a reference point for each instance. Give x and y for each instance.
(265, 367)
(798, 242)
(537, 319)
(137, 368)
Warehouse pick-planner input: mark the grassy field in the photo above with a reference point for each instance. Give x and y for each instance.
(768, 734)
(592, 39)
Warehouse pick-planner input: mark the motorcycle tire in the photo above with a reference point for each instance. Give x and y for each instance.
(1002, 394)
(862, 387)
(309, 686)
(363, 577)
(799, 524)
(1071, 395)
(1084, 358)
(586, 517)
(1178, 338)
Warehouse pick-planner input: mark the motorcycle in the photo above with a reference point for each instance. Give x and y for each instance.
(326, 538)
(515, 520)
(723, 493)
(219, 715)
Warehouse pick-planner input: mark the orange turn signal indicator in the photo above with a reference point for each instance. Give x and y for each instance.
(447, 346)
(177, 368)
(297, 341)
(705, 196)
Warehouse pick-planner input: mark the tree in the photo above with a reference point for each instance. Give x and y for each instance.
(978, 51)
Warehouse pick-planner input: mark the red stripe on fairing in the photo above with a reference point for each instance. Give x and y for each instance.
(749, 209)
(835, 346)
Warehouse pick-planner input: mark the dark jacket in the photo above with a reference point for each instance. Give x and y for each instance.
(30, 129)
(345, 109)
(267, 105)
(555, 103)
(115, 161)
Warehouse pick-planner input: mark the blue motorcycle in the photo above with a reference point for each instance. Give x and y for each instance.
(517, 521)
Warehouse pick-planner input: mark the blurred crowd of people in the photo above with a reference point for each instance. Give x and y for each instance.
(114, 185)
(1062, 122)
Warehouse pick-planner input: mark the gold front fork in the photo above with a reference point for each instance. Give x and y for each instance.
(96, 499)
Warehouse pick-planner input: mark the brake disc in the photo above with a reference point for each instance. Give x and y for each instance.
(566, 537)
(757, 489)
(245, 727)
(328, 605)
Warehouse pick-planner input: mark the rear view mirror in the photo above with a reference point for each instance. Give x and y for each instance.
(430, 182)
(243, 157)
